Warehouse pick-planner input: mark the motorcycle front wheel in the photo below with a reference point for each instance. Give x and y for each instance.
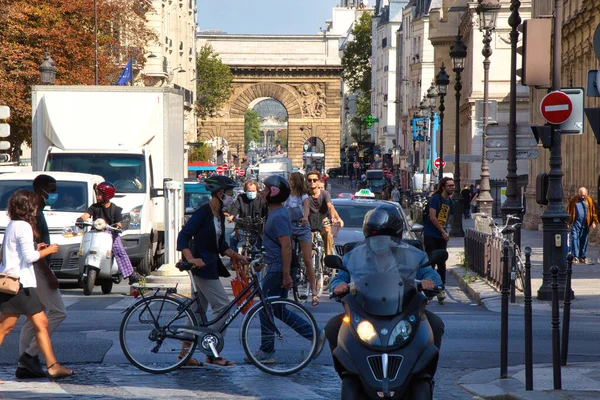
(421, 390)
(352, 389)
(90, 281)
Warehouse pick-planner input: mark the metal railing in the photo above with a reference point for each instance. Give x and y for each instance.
(484, 255)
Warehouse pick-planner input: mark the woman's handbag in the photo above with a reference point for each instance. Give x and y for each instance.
(9, 284)
(238, 284)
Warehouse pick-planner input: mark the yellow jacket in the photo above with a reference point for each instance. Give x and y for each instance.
(592, 214)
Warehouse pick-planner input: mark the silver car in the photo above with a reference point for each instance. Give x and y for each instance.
(352, 212)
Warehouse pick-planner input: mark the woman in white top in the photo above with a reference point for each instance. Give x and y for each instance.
(19, 254)
(298, 209)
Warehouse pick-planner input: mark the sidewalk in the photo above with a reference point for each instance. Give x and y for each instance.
(579, 380)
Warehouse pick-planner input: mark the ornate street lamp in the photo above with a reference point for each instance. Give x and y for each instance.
(442, 80)
(487, 10)
(424, 108)
(48, 70)
(432, 95)
(458, 53)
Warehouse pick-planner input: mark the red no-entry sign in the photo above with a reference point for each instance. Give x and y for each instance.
(556, 107)
(220, 170)
(241, 172)
(437, 162)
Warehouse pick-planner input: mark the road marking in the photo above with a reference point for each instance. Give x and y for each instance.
(121, 304)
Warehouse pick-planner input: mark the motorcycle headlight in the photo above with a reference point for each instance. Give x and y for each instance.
(132, 219)
(72, 231)
(100, 224)
(365, 330)
(401, 332)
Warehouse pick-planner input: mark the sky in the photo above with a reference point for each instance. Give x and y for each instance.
(265, 16)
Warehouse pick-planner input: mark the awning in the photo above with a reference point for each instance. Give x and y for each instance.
(201, 166)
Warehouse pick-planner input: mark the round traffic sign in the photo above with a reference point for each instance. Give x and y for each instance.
(437, 162)
(385, 170)
(556, 107)
(220, 170)
(241, 172)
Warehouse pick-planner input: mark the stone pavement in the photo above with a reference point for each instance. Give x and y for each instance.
(579, 380)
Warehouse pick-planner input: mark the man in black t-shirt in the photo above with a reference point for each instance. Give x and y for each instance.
(320, 206)
(111, 213)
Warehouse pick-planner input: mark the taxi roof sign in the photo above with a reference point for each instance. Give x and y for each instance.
(364, 193)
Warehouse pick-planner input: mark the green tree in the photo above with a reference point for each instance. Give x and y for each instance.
(356, 60)
(363, 109)
(213, 83)
(200, 152)
(282, 136)
(251, 128)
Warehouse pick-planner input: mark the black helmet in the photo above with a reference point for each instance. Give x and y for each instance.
(218, 182)
(279, 189)
(383, 220)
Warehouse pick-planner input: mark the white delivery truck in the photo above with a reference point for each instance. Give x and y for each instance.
(275, 166)
(131, 136)
(75, 195)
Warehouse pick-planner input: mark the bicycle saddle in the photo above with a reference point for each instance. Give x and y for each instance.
(508, 229)
(184, 266)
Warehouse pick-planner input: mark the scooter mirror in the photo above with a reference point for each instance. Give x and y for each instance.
(335, 262)
(438, 257)
(417, 228)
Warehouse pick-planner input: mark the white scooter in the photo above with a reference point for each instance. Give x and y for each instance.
(97, 265)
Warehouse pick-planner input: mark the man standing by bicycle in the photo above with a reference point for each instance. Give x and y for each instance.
(441, 207)
(320, 206)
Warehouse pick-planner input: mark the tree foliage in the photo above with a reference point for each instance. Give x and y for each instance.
(356, 60)
(251, 128)
(200, 152)
(282, 136)
(66, 29)
(363, 110)
(213, 83)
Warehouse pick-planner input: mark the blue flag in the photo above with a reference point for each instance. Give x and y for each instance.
(125, 75)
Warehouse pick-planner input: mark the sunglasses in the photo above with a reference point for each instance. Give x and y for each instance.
(312, 180)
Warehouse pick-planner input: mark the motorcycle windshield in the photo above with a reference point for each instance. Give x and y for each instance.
(383, 270)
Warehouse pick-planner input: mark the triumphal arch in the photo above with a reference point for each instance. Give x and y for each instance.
(302, 72)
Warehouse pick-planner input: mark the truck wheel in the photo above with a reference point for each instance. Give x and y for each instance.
(106, 287)
(145, 266)
(90, 281)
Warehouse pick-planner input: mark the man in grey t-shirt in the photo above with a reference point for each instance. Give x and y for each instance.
(320, 206)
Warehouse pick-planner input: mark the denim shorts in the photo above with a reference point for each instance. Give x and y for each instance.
(302, 233)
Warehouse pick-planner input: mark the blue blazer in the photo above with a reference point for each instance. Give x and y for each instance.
(199, 235)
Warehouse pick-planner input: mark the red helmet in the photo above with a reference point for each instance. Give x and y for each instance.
(107, 189)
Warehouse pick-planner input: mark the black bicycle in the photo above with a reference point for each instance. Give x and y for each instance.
(160, 332)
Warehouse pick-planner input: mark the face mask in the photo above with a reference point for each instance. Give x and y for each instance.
(52, 197)
(251, 195)
(227, 200)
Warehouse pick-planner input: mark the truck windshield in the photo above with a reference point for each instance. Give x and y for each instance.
(376, 182)
(72, 195)
(126, 171)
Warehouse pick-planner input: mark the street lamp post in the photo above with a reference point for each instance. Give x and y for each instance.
(442, 80)
(458, 53)
(48, 70)
(512, 204)
(424, 107)
(487, 11)
(432, 95)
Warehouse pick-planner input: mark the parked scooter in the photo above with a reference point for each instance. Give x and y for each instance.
(385, 344)
(97, 265)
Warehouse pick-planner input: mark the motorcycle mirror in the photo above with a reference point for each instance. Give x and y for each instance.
(335, 262)
(348, 247)
(438, 257)
(417, 228)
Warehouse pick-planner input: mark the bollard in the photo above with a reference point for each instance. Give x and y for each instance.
(564, 352)
(504, 315)
(556, 372)
(513, 275)
(528, 322)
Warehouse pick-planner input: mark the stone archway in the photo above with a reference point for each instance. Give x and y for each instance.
(310, 95)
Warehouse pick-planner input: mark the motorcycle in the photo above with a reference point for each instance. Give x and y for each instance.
(97, 264)
(385, 344)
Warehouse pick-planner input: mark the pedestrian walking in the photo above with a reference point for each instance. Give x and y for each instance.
(466, 198)
(441, 207)
(29, 366)
(582, 211)
(396, 194)
(474, 196)
(19, 252)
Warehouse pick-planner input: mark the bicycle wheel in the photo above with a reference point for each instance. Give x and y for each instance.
(143, 334)
(319, 273)
(519, 275)
(287, 351)
(301, 288)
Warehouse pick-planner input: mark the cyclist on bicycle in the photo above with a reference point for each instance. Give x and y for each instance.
(207, 229)
(383, 248)
(320, 206)
(297, 207)
(246, 205)
(277, 241)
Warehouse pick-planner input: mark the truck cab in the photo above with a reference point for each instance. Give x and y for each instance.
(376, 180)
(75, 195)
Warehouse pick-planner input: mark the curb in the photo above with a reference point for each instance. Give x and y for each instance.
(478, 290)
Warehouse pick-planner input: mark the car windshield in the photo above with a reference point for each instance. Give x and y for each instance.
(195, 195)
(353, 213)
(126, 171)
(72, 196)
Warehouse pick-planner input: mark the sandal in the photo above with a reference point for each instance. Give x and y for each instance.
(315, 300)
(219, 362)
(191, 363)
(63, 372)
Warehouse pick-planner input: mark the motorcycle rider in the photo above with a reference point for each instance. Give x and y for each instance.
(112, 214)
(382, 228)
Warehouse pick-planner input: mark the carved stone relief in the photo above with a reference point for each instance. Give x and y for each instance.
(313, 99)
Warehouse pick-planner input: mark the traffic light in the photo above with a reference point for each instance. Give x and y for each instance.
(313, 141)
(536, 52)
